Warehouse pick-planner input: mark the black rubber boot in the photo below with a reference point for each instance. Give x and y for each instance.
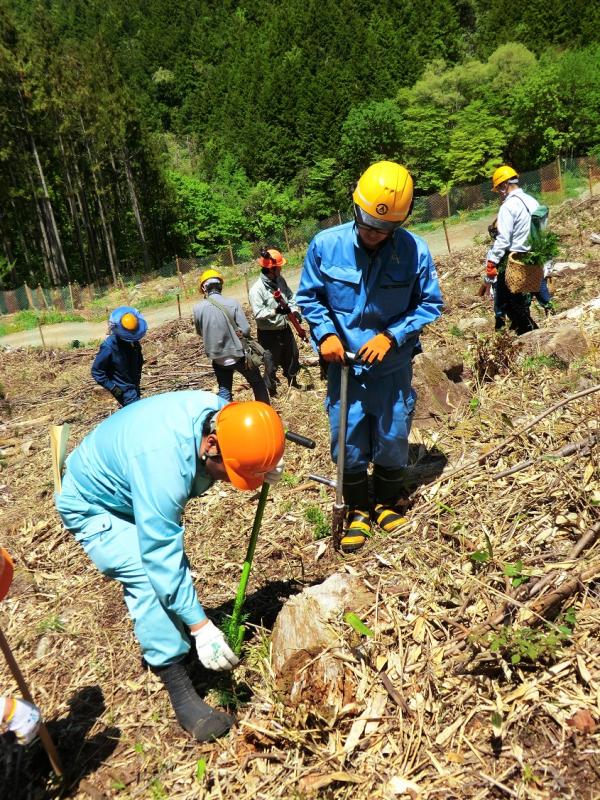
(356, 489)
(193, 714)
(387, 488)
(387, 485)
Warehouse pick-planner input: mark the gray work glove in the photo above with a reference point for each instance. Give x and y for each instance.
(24, 721)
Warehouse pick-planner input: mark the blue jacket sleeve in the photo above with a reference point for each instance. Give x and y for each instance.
(101, 367)
(425, 304)
(309, 294)
(159, 492)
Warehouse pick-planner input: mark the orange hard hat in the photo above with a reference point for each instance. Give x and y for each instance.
(251, 439)
(6, 572)
(129, 322)
(271, 259)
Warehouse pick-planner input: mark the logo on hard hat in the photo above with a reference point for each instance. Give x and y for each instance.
(382, 209)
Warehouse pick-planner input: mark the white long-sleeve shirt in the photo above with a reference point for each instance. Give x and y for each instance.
(513, 223)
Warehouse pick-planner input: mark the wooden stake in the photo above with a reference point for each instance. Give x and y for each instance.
(560, 184)
(41, 291)
(231, 258)
(24, 689)
(589, 179)
(71, 296)
(446, 235)
(178, 306)
(41, 335)
(30, 295)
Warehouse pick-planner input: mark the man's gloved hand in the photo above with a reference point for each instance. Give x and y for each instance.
(283, 310)
(332, 349)
(491, 270)
(213, 651)
(376, 348)
(24, 720)
(274, 476)
(298, 316)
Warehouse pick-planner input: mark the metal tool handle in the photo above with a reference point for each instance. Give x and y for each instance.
(297, 438)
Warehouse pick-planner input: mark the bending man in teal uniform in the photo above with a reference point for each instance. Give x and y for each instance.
(369, 287)
(123, 496)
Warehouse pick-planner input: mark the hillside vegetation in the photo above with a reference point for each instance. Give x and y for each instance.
(131, 132)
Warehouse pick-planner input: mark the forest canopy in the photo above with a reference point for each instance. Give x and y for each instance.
(131, 131)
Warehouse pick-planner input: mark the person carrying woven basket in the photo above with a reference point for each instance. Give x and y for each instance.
(511, 229)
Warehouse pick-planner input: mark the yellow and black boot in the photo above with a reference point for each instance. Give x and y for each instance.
(358, 522)
(387, 488)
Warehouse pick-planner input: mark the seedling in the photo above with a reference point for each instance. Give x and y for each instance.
(321, 528)
(483, 556)
(515, 572)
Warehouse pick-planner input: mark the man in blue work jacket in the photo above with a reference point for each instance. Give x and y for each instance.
(369, 287)
(118, 365)
(123, 496)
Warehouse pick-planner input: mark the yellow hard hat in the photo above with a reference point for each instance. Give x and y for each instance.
(502, 174)
(210, 274)
(129, 322)
(383, 195)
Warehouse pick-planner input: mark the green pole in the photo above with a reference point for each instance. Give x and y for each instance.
(237, 630)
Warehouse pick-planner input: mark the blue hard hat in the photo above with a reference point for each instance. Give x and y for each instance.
(135, 325)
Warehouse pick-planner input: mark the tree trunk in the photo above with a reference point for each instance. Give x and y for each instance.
(48, 212)
(109, 242)
(73, 210)
(136, 211)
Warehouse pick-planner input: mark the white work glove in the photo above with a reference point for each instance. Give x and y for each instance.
(274, 476)
(213, 651)
(25, 721)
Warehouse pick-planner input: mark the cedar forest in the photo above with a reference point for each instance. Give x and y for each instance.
(133, 131)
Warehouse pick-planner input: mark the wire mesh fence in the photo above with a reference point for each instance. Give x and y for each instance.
(564, 177)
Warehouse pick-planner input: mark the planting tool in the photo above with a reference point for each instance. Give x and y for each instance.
(339, 507)
(281, 302)
(6, 573)
(235, 629)
(321, 479)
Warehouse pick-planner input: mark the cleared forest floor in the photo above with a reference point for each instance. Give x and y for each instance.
(437, 705)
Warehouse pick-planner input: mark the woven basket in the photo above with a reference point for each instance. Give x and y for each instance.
(521, 277)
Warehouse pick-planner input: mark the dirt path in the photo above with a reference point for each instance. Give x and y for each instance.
(461, 236)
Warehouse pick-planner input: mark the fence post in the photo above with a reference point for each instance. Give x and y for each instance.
(180, 277)
(231, 258)
(178, 306)
(30, 295)
(41, 291)
(448, 213)
(71, 296)
(287, 241)
(446, 235)
(339, 217)
(590, 180)
(560, 185)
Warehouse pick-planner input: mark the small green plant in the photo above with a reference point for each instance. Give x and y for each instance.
(532, 645)
(454, 330)
(287, 479)
(321, 527)
(51, 624)
(483, 556)
(474, 403)
(515, 573)
(544, 247)
(138, 747)
(118, 785)
(157, 791)
(535, 363)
